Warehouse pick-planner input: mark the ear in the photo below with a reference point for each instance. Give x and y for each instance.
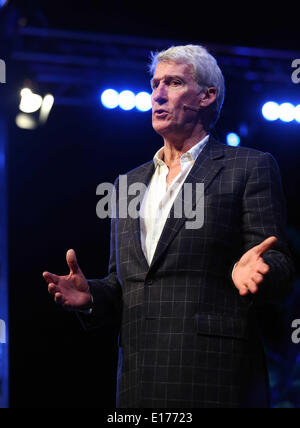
(209, 96)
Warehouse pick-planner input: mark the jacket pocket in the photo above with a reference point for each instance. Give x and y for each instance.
(221, 325)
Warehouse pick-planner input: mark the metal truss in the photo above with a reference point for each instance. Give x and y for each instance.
(70, 62)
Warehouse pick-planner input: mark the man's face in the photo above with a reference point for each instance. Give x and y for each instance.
(174, 86)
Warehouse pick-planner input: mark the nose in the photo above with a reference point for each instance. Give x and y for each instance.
(160, 94)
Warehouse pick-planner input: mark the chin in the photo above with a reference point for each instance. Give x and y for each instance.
(163, 132)
(161, 129)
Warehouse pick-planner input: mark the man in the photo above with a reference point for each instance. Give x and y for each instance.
(184, 297)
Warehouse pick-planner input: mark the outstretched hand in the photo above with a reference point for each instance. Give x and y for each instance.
(250, 270)
(70, 291)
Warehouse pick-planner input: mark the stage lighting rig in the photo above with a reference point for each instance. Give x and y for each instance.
(3, 3)
(32, 103)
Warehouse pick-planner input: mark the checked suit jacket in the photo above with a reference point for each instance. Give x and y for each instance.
(187, 338)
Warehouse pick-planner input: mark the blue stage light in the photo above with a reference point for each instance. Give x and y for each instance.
(270, 111)
(127, 100)
(143, 101)
(297, 113)
(110, 98)
(233, 139)
(2, 2)
(287, 112)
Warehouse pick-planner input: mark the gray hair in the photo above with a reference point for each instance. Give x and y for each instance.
(207, 71)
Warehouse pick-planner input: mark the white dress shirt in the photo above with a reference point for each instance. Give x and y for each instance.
(159, 198)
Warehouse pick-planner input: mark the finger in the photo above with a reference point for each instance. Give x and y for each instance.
(258, 278)
(52, 288)
(266, 245)
(59, 298)
(72, 261)
(50, 277)
(252, 287)
(263, 269)
(243, 290)
(67, 307)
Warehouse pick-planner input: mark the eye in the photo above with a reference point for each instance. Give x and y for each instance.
(154, 85)
(176, 82)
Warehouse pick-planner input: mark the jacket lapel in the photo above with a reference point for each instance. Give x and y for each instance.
(204, 171)
(143, 177)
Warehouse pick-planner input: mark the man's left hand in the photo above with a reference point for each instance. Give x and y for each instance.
(250, 270)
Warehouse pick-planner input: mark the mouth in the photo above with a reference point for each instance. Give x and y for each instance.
(160, 112)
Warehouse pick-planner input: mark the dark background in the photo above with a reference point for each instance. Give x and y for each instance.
(54, 171)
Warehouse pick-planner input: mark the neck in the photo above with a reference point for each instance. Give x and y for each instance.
(174, 148)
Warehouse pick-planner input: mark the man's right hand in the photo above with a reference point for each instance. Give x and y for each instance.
(71, 291)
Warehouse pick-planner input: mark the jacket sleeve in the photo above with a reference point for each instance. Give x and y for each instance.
(264, 215)
(106, 292)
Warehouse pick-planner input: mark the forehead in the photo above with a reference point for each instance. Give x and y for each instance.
(172, 68)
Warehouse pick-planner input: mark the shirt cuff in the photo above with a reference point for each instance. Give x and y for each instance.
(233, 270)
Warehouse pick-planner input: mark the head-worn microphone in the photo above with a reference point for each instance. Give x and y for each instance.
(193, 108)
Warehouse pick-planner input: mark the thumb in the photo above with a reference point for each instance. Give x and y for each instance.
(72, 261)
(266, 245)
